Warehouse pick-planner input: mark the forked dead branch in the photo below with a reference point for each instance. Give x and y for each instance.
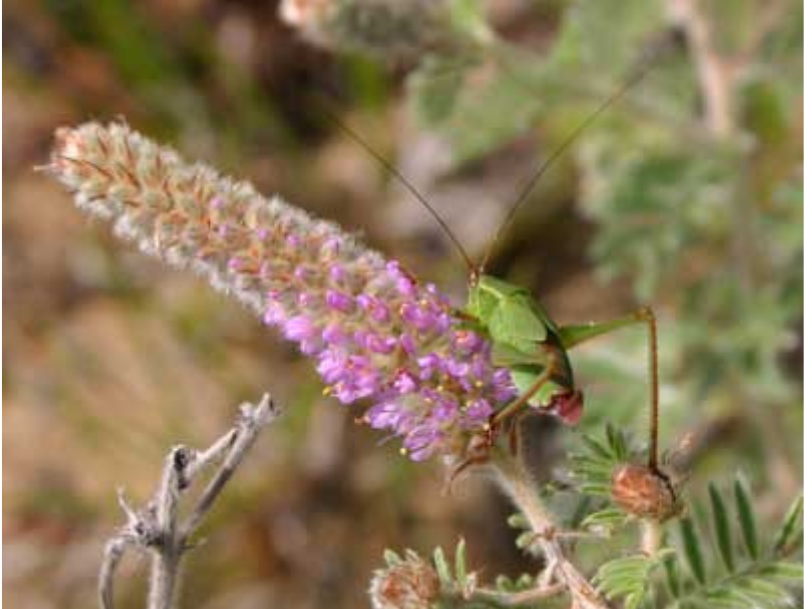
(158, 529)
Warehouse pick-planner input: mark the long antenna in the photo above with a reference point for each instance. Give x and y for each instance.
(557, 152)
(406, 184)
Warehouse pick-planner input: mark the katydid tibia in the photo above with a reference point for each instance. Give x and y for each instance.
(524, 338)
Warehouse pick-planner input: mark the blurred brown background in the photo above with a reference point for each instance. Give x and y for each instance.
(111, 358)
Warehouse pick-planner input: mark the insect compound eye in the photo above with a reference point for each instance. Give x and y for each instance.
(639, 491)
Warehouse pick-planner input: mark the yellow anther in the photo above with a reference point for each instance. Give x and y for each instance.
(327, 391)
(403, 451)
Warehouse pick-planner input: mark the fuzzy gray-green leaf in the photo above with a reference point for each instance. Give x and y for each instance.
(518, 521)
(441, 566)
(626, 578)
(460, 565)
(391, 558)
(525, 540)
(606, 518)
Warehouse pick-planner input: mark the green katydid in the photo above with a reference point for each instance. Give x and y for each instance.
(524, 337)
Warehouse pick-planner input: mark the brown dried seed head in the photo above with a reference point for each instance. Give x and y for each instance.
(411, 584)
(638, 490)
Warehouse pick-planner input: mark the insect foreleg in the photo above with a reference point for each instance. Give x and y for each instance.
(574, 335)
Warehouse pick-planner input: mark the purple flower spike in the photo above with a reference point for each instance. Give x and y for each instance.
(374, 332)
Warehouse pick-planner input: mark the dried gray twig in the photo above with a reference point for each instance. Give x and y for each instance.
(157, 528)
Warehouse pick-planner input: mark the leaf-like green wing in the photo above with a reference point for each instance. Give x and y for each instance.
(499, 288)
(481, 303)
(515, 323)
(505, 356)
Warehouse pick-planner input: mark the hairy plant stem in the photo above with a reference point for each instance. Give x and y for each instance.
(517, 482)
(650, 536)
(518, 599)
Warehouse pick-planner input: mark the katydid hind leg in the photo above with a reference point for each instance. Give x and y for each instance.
(574, 335)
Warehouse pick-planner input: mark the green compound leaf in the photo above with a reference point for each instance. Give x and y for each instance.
(596, 447)
(692, 549)
(784, 570)
(518, 521)
(391, 558)
(747, 522)
(672, 577)
(721, 525)
(617, 442)
(460, 565)
(526, 539)
(790, 526)
(442, 567)
(627, 578)
(608, 518)
(744, 577)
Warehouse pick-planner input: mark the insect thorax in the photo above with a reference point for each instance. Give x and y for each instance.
(524, 338)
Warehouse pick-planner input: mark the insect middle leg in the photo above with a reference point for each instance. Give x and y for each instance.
(524, 398)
